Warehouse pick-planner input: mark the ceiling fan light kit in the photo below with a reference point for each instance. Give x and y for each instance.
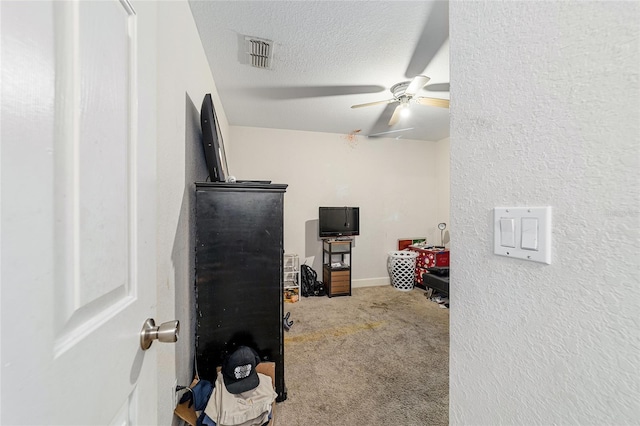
(404, 93)
(404, 109)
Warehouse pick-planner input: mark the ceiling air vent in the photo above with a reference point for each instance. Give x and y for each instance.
(259, 52)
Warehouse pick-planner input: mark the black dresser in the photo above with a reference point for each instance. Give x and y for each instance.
(239, 273)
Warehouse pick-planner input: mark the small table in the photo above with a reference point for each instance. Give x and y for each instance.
(336, 267)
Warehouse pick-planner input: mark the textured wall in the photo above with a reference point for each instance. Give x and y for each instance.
(443, 200)
(545, 111)
(394, 182)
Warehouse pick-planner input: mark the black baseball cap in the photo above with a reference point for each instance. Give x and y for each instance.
(239, 370)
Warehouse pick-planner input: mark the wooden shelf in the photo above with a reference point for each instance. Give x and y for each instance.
(337, 280)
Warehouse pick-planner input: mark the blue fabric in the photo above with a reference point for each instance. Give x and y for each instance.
(198, 395)
(205, 420)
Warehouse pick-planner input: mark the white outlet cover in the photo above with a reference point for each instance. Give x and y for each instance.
(174, 393)
(542, 214)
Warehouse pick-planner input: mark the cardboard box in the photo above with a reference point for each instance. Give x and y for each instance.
(189, 415)
(291, 295)
(403, 243)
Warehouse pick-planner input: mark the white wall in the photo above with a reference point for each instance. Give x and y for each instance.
(394, 182)
(183, 78)
(545, 111)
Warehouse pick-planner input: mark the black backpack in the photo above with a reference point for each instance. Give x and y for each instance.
(310, 284)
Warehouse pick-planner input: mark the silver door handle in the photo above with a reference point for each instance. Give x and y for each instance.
(166, 332)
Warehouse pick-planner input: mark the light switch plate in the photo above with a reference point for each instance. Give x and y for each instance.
(542, 214)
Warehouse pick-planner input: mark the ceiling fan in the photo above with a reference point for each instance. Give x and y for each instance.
(405, 93)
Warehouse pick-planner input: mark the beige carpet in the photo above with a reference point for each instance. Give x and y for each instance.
(378, 357)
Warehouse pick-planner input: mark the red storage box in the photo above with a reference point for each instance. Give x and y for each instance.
(442, 258)
(428, 258)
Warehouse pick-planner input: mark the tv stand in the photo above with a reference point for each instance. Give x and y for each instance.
(336, 267)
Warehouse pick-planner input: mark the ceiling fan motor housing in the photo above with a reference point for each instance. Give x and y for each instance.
(398, 89)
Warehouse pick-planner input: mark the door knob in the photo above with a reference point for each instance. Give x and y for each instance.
(166, 332)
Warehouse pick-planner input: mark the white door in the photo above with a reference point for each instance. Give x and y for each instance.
(78, 214)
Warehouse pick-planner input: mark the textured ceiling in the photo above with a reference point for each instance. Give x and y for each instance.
(328, 56)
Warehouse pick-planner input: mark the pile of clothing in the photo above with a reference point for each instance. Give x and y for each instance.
(240, 395)
(441, 299)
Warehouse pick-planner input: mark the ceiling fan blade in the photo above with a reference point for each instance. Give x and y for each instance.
(434, 34)
(300, 92)
(396, 115)
(416, 84)
(381, 134)
(442, 103)
(381, 123)
(388, 101)
(437, 87)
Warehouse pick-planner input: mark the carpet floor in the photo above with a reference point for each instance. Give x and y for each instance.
(378, 357)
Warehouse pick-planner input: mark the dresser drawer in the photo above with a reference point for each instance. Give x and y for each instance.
(340, 275)
(340, 287)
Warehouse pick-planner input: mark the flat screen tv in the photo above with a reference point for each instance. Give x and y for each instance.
(338, 221)
(212, 141)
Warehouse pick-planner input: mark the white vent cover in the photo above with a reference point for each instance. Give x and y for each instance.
(259, 51)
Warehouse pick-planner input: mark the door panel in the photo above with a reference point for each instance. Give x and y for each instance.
(103, 157)
(96, 150)
(78, 209)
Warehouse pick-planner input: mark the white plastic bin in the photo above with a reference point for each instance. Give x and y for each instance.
(402, 266)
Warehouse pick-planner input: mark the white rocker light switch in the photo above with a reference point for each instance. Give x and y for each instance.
(507, 232)
(529, 233)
